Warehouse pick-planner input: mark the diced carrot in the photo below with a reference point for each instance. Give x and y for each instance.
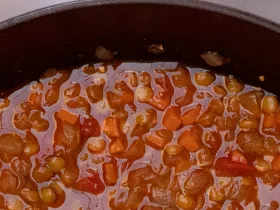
(269, 120)
(117, 146)
(159, 139)
(111, 127)
(191, 139)
(276, 163)
(155, 142)
(237, 156)
(127, 97)
(67, 116)
(110, 173)
(172, 118)
(191, 116)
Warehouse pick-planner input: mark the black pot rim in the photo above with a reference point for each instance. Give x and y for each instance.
(180, 3)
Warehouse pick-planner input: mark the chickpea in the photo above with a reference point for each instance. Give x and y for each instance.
(40, 125)
(204, 78)
(89, 69)
(15, 204)
(84, 157)
(4, 103)
(270, 104)
(145, 78)
(42, 174)
(185, 202)
(144, 93)
(217, 195)
(30, 195)
(48, 195)
(31, 149)
(56, 164)
(248, 181)
(133, 80)
(96, 145)
(249, 123)
(233, 85)
(225, 181)
(261, 165)
(220, 90)
(172, 150)
(69, 175)
(97, 160)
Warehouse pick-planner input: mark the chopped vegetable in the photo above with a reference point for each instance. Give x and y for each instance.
(191, 116)
(111, 127)
(252, 101)
(204, 78)
(90, 182)
(110, 173)
(214, 59)
(117, 146)
(67, 116)
(250, 142)
(227, 167)
(172, 118)
(162, 197)
(276, 163)
(185, 202)
(233, 85)
(261, 78)
(96, 145)
(270, 104)
(191, 139)
(159, 138)
(104, 54)
(197, 182)
(90, 127)
(156, 48)
(237, 156)
(48, 195)
(56, 164)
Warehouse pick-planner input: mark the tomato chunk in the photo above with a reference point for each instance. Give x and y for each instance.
(90, 183)
(90, 128)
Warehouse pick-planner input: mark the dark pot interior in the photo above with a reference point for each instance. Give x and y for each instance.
(186, 29)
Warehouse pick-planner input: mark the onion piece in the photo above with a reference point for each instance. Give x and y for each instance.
(104, 54)
(214, 59)
(156, 48)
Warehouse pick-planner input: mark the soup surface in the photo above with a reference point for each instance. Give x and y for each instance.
(149, 136)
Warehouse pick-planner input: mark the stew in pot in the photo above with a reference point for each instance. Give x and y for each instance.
(149, 136)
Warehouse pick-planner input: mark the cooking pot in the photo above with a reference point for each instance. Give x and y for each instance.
(67, 35)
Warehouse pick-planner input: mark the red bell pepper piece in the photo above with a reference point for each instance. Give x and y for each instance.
(90, 183)
(90, 128)
(226, 167)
